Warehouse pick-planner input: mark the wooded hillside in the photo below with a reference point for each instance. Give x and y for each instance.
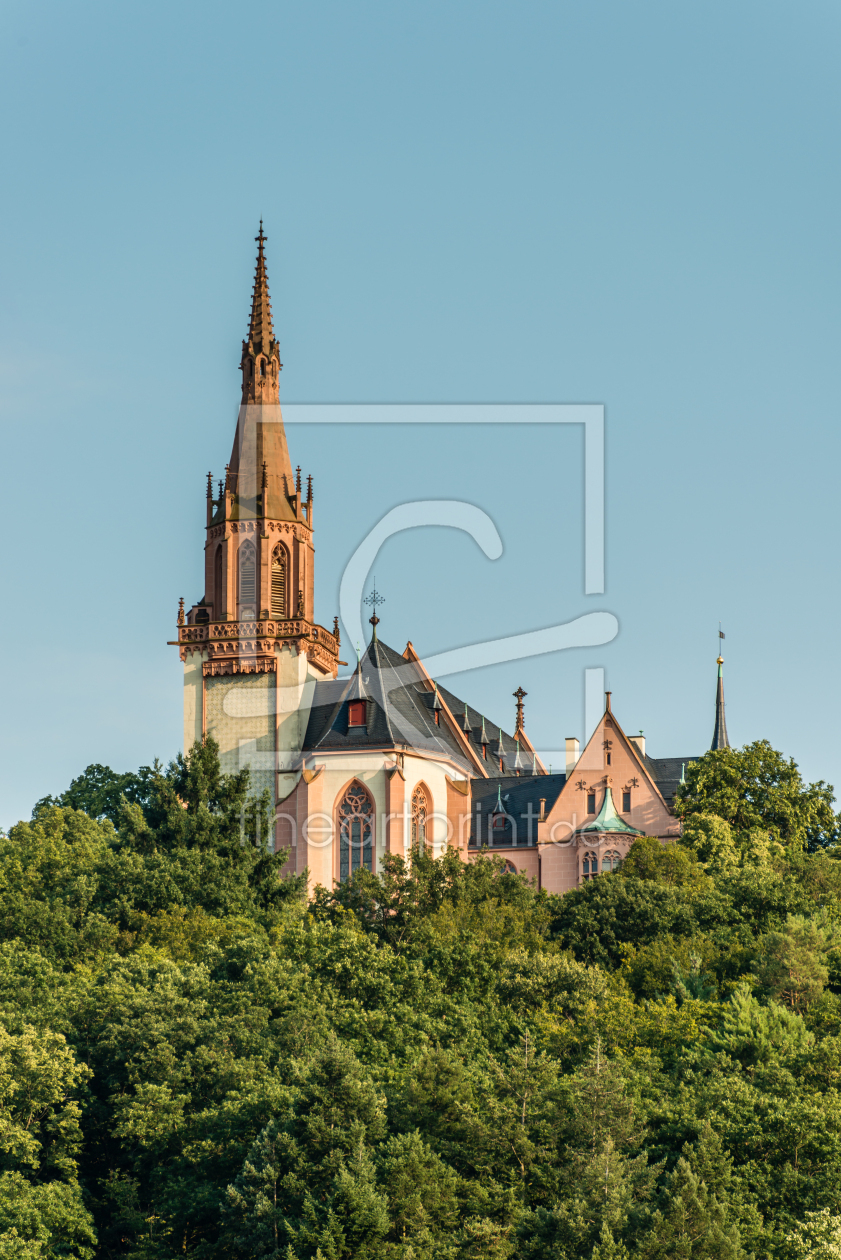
(439, 1062)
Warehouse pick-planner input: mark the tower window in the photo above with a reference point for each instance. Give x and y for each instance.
(591, 802)
(626, 802)
(247, 580)
(608, 758)
(356, 713)
(611, 860)
(279, 584)
(262, 367)
(590, 865)
(218, 593)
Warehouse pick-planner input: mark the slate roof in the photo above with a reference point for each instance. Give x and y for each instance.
(401, 712)
(399, 709)
(666, 772)
(492, 733)
(521, 797)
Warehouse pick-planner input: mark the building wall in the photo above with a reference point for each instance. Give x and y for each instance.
(562, 847)
(240, 717)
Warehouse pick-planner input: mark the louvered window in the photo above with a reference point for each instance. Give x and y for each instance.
(278, 585)
(247, 575)
(218, 593)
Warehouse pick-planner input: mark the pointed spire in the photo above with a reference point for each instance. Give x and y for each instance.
(484, 741)
(519, 695)
(260, 361)
(260, 331)
(534, 763)
(720, 739)
(517, 764)
(465, 723)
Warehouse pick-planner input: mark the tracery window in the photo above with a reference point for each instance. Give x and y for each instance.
(590, 865)
(278, 582)
(611, 860)
(509, 868)
(247, 580)
(356, 831)
(420, 815)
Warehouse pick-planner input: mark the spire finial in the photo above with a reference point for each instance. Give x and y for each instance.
(607, 707)
(210, 485)
(372, 601)
(336, 634)
(519, 696)
(181, 611)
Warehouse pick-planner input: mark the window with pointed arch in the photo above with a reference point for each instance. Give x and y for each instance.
(218, 589)
(247, 580)
(421, 811)
(356, 831)
(611, 860)
(279, 582)
(509, 868)
(590, 865)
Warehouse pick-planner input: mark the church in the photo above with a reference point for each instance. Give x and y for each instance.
(385, 759)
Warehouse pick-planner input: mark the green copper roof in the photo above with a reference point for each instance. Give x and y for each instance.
(609, 820)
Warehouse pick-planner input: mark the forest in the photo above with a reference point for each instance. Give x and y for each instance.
(439, 1062)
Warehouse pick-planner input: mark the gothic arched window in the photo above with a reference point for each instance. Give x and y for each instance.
(279, 582)
(218, 591)
(420, 815)
(356, 831)
(611, 860)
(590, 865)
(247, 580)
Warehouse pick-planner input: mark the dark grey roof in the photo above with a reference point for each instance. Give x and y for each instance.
(667, 773)
(521, 799)
(492, 733)
(399, 709)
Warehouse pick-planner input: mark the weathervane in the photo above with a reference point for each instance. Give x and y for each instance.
(373, 600)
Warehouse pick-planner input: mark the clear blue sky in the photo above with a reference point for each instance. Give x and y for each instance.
(635, 205)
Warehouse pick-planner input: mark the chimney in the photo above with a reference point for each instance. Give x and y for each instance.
(639, 741)
(572, 754)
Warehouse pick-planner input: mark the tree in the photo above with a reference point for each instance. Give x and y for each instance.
(756, 787)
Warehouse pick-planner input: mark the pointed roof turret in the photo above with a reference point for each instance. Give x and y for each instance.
(608, 820)
(260, 356)
(260, 471)
(720, 739)
(261, 332)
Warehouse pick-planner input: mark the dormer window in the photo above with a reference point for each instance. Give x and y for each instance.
(356, 713)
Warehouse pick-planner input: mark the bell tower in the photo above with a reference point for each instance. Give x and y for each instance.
(251, 649)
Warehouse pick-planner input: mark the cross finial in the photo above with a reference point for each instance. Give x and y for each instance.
(372, 601)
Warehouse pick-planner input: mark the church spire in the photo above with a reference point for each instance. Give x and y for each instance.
(720, 739)
(260, 357)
